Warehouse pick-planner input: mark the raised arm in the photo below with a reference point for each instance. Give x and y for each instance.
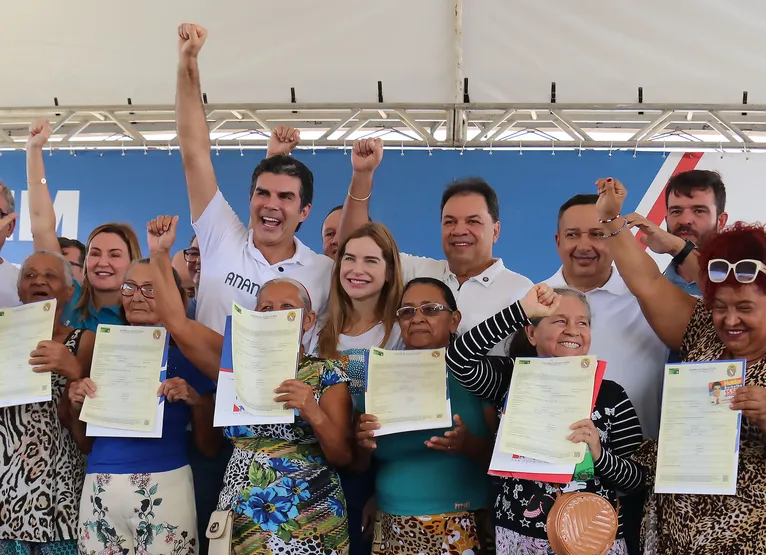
(201, 345)
(41, 214)
(467, 358)
(191, 121)
(365, 158)
(667, 308)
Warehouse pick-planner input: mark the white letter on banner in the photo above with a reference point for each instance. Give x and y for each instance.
(66, 205)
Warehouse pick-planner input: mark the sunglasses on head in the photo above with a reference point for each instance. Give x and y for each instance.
(745, 271)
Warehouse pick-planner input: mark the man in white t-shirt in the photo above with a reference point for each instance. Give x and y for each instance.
(620, 335)
(9, 274)
(239, 260)
(470, 223)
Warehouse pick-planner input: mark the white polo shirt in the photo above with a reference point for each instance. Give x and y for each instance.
(9, 284)
(621, 336)
(479, 297)
(233, 269)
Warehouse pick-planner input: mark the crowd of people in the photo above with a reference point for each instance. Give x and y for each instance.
(326, 484)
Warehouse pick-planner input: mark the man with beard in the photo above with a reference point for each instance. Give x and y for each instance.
(696, 204)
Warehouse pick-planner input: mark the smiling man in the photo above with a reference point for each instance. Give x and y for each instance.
(696, 210)
(470, 224)
(620, 335)
(239, 260)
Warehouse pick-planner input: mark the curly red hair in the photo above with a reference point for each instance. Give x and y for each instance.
(741, 241)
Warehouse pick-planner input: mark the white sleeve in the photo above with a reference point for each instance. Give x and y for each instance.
(218, 225)
(420, 266)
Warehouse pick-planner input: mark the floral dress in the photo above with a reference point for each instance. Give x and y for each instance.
(284, 496)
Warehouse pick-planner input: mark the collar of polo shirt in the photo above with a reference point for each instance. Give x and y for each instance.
(614, 285)
(303, 255)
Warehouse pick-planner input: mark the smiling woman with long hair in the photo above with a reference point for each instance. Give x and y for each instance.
(109, 251)
(364, 295)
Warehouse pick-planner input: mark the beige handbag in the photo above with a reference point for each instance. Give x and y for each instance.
(218, 532)
(581, 523)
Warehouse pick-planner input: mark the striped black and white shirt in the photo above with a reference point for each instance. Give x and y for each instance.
(523, 505)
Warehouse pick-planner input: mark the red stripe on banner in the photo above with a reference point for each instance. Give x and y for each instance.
(658, 211)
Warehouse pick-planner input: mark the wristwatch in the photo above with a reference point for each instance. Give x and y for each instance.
(686, 251)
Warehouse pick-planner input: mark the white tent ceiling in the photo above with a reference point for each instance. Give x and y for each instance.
(693, 59)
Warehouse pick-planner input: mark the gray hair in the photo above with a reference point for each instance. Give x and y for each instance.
(567, 292)
(302, 291)
(8, 196)
(68, 276)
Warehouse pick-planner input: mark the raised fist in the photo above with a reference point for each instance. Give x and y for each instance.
(191, 37)
(366, 155)
(540, 302)
(611, 196)
(39, 133)
(161, 233)
(283, 140)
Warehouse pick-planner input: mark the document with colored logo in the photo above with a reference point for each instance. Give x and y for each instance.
(21, 329)
(407, 390)
(263, 350)
(129, 364)
(547, 396)
(513, 466)
(698, 449)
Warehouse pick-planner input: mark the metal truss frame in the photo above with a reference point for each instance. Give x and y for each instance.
(406, 126)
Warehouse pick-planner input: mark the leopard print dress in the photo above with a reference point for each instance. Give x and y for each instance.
(711, 524)
(41, 469)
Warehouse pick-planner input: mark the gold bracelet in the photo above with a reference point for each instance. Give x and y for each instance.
(616, 232)
(352, 197)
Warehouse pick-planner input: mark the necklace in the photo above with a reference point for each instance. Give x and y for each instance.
(353, 332)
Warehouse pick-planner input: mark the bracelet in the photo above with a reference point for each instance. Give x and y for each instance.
(609, 221)
(616, 232)
(352, 197)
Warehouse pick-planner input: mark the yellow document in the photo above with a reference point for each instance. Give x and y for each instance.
(698, 448)
(127, 370)
(265, 351)
(547, 396)
(407, 390)
(21, 329)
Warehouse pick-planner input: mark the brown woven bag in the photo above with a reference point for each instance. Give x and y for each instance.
(581, 523)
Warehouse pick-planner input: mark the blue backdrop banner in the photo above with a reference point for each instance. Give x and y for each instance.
(92, 188)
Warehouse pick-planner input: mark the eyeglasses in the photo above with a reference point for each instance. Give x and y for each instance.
(745, 271)
(429, 310)
(191, 255)
(129, 289)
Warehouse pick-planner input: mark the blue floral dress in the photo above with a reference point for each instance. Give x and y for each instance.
(284, 495)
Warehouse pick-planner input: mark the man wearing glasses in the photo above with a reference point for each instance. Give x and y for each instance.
(9, 274)
(74, 251)
(193, 266)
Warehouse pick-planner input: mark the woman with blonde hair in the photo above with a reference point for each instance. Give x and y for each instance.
(109, 251)
(365, 290)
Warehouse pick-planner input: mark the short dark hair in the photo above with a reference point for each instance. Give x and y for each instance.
(287, 165)
(67, 243)
(577, 200)
(474, 186)
(449, 296)
(335, 209)
(685, 183)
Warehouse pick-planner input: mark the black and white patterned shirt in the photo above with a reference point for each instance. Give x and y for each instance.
(523, 505)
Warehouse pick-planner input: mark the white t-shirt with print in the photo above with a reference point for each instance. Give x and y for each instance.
(233, 269)
(480, 297)
(9, 284)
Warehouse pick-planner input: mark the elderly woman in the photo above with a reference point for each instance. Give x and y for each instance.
(41, 468)
(729, 322)
(550, 323)
(138, 495)
(280, 484)
(431, 484)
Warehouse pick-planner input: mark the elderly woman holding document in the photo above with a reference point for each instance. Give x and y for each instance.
(138, 495)
(549, 323)
(431, 483)
(727, 324)
(280, 493)
(41, 468)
